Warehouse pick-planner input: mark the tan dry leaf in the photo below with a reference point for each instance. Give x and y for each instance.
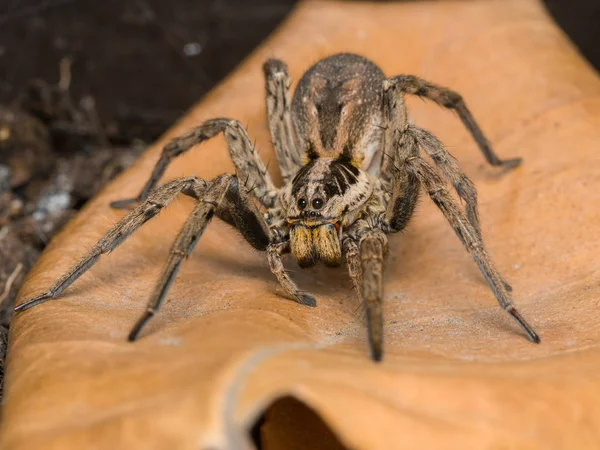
(457, 372)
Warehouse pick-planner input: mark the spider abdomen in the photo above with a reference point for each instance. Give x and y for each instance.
(337, 108)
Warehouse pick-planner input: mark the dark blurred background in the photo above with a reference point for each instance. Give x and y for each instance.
(159, 57)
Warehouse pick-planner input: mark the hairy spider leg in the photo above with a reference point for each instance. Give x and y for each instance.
(222, 194)
(399, 144)
(160, 198)
(274, 253)
(351, 254)
(435, 187)
(452, 100)
(249, 167)
(279, 116)
(404, 141)
(373, 245)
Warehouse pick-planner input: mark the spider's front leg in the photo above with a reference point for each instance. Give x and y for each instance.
(249, 167)
(364, 249)
(274, 253)
(231, 202)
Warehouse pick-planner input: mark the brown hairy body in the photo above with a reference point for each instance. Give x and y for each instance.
(352, 169)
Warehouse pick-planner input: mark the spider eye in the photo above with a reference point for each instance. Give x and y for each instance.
(317, 203)
(301, 203)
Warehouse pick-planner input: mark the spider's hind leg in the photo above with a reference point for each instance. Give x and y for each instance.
(249, 167)
(447, 98)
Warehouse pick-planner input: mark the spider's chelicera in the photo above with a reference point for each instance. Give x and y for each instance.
(351, 163)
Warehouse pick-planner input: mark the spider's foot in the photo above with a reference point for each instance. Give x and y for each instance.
(137, 328)
(508, 164)
(305, 299)
(34, 301)
(528, 329)
(376, 354)
(133, 335)
(375, 330)
(124, 204)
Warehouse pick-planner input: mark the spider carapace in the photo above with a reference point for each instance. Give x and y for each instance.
(353, 170)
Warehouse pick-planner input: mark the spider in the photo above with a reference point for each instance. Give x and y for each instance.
(352, 166)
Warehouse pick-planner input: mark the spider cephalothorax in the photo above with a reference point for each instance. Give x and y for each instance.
(325, 195)
(352, 169)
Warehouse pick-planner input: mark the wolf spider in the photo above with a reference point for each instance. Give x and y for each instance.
(352, 169)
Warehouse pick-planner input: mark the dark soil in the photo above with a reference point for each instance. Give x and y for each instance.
(86, 84)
